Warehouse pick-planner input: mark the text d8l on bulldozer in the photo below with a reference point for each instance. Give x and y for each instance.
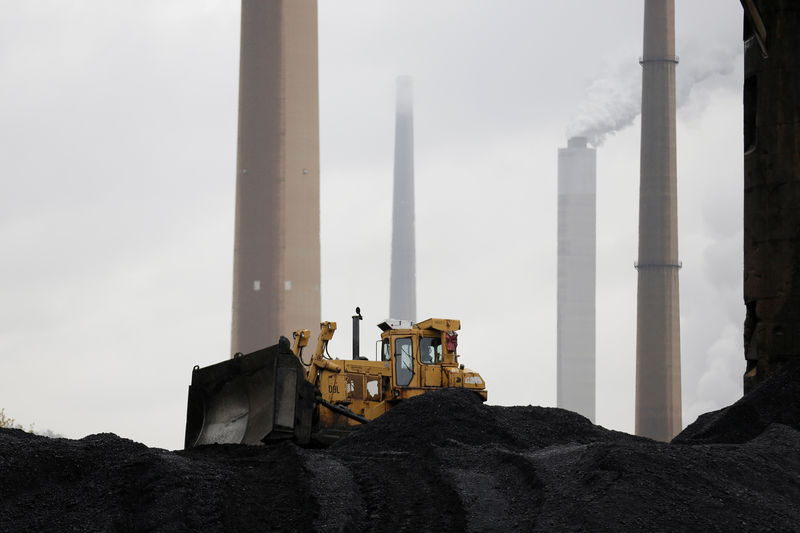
(274, 394)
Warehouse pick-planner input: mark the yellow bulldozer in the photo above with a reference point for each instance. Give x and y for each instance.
(275, 393)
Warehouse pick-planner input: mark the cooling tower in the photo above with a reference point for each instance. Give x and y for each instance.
(403, 294)
(576, 277)
(658, 355)
(276, 279)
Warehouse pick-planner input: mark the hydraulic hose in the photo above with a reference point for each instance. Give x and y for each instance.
(344, 411)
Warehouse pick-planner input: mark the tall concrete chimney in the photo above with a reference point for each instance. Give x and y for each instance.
(403, 296)
(276, 278)
(576, 277)
(658, 354)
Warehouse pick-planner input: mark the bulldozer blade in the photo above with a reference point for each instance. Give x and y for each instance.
(250, 399)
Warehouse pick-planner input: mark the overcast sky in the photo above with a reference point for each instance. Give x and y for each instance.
(117, 176)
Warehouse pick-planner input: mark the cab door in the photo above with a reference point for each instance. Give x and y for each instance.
(403, 361)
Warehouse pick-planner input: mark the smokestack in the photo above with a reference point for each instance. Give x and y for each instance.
(276, 278)
(403, 296)
(576, 277)
(658, 356)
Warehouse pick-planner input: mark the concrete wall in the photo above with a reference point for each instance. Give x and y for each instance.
(771, 189)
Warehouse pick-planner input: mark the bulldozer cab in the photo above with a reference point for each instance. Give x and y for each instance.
(417, 352)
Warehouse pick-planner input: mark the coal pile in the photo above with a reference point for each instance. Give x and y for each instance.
(442, 461)
(775, 402)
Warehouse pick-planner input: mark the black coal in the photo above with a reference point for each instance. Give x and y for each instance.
(442, 461)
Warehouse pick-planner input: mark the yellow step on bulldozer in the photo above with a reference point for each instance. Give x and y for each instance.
(276, 393)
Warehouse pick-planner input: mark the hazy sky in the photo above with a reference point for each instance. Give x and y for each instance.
(117, 168)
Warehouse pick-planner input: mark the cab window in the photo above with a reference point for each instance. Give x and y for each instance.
(404, 361)
(430, 350)
(386, 351)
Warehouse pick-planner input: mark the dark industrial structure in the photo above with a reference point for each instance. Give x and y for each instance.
(771, 186)
(577, 251)
(403, 295)
(276, 278)
(658, 354)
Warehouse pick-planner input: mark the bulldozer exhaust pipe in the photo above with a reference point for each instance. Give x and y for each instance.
(357, 318)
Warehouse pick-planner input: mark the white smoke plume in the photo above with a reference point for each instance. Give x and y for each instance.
(613, 102)
(702, 64)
